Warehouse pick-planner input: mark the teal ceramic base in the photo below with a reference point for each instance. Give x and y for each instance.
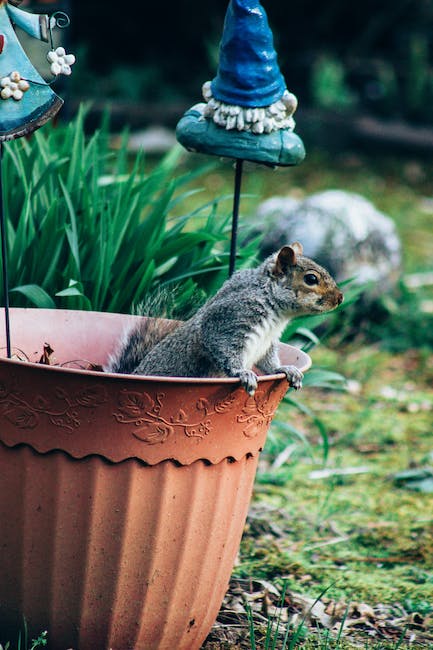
(279, 148)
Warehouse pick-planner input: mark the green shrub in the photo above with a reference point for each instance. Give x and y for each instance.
(88, 228)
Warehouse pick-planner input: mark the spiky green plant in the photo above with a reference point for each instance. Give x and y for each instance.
(90, 228)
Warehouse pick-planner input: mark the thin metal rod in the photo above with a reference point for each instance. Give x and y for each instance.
(4, 258)
(235, 218)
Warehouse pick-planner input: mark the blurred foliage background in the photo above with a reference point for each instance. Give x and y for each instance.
(371, 56)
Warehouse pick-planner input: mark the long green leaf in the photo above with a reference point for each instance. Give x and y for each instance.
(36, 295)
(72, 230)
(116, 239)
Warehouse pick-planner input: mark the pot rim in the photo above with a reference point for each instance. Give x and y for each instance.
(304, 360)
(160, 378)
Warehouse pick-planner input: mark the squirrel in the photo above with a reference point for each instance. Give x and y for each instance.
(236, 329)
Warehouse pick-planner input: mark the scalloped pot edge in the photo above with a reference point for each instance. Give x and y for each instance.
(216, 460)
(118, 420)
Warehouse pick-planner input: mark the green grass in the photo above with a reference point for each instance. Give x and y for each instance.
(364, 533)
(24, 644)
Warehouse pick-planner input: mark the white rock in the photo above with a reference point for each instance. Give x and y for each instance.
(341, 230)
(154, 139)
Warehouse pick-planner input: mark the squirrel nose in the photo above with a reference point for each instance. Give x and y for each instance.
(340, 298)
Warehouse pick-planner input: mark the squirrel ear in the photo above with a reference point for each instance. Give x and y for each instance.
(286, 257)
(297, 247)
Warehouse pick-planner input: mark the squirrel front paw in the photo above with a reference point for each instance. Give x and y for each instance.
(248, 380)
(293, 374)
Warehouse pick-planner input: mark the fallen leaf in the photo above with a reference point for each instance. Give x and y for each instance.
(46, 355)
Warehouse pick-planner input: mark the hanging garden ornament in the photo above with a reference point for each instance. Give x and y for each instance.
(28, 100)
(248, 111)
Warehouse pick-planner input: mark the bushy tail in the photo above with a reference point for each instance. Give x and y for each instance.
(161, 304)
(138, 342)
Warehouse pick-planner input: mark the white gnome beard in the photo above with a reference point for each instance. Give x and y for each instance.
(264, 119)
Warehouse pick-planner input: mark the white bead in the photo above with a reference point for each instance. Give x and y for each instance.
(60, 51)
(5, 82)
(208, 111)
(231, 122)
(15, 76)
(66, 70)
(23, 85)
(268, 125)
(217, 117)
(257, 128)
(52, 56)
(290, 101)
(206, 91)
(17, 95)
(6, 93)
(56, 68)
(13, 86)
(69, 59)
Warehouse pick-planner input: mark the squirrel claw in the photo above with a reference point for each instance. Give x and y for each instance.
(248, 380)
(293, 374)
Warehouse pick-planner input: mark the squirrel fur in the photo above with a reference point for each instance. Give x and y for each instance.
(238, 328)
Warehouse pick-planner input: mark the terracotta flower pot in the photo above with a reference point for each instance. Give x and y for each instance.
(122, 499)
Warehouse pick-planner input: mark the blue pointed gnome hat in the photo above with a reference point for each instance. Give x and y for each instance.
(248, 73)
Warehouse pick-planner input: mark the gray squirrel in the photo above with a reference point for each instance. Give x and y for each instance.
(237, 329)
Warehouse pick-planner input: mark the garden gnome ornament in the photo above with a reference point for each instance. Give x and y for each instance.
(248, 111)
(26, 99)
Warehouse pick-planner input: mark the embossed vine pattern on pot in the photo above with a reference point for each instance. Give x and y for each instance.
(28, 412)
(153, 425)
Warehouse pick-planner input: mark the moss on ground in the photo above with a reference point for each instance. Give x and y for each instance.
(360, 536)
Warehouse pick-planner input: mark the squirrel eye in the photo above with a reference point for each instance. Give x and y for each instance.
(311, 279)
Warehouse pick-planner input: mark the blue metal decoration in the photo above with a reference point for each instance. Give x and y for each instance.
(248, 111)
(26, 99)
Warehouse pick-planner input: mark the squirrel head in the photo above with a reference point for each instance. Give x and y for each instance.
(309, 287)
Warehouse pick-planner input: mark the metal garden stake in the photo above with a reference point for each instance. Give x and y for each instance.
(26, 99)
